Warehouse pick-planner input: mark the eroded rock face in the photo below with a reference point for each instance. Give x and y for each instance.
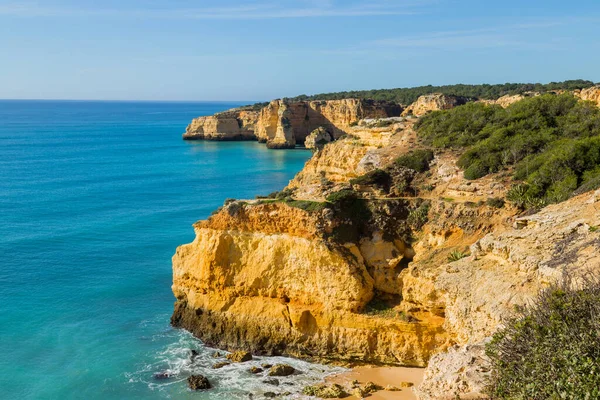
(504, 270)
(317, 138)
(264, 278)
(283, 124)
(460, 372)
(433, 102)
(591, 94)
(228, 125)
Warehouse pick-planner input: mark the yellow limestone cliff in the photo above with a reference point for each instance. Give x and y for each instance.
(291, 276)
(264, 278)
(282, 123)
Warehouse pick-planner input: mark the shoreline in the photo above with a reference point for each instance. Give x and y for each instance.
(384, 377)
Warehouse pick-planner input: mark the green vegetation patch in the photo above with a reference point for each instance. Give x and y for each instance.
(456, 255)
(307, 205)
(417, 160)
(551, 349)
(552, 141)
(377, 177)
(409, 95)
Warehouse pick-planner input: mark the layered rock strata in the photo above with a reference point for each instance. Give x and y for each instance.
(265, 278)
(433, 102)
(284, 124)
(228, 125)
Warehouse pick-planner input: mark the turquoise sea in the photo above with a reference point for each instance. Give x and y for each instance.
(94, 199)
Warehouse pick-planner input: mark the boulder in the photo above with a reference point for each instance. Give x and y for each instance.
(239, 356)
(281, 370)
(198, 382)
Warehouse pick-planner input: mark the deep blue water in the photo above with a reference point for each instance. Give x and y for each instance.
(94, 199)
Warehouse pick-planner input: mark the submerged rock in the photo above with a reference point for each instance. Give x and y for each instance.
(162, 375)
(221, 364)
(198, 382)
(255, 370)
(281, 370)
(272, 381)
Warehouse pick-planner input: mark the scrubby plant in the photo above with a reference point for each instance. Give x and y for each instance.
(377, 177)
(552, 142)
(353, 211)
(307, 205)
(419, 216)
(523, 197)
(495, 202)
(456, 255)
(551, 348)
(417, 160)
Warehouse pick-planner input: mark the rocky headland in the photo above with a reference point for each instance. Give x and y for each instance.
(379, 251)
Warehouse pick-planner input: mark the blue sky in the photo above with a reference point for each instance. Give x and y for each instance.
(258, 50)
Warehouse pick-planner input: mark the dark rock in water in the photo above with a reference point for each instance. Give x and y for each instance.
(220, 365)
(273, 381)
(216, 354)
(161, 375)
(239, 356)
(255, 370)
(266, 366)
(270, 395)
(281, 370)
(193, 354)
(198, 382)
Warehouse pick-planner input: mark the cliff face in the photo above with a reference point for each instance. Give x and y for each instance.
(369, 279)
(320, 282)
(505, 269)
(283, 124)
(229, 125)
(264, 277)
(591, 94)
(433, 102)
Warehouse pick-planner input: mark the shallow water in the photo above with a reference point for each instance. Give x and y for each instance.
(94, 199)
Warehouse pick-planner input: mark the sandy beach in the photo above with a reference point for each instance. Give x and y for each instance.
(383, 376)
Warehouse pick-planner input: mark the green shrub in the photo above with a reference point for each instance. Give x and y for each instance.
(344, 195)
(553, 142)
(377, 177)
(524, 196)
(417, 160)
(495, 202)
(456, 255)
(419, 216)
(551, 349)
(353, 212)
(307, 205)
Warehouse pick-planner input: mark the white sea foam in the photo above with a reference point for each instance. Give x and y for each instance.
(232, 381)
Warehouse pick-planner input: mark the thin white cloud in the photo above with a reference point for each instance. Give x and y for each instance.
(300, 9)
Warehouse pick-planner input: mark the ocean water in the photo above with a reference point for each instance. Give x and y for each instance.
(94, 199)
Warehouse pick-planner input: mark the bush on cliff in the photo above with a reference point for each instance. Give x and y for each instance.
(551, 349)
(551, 141)
(417, 160)
(377, 177)
(353, 212)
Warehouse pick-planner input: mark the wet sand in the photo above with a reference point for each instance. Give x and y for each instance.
(383, 376)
